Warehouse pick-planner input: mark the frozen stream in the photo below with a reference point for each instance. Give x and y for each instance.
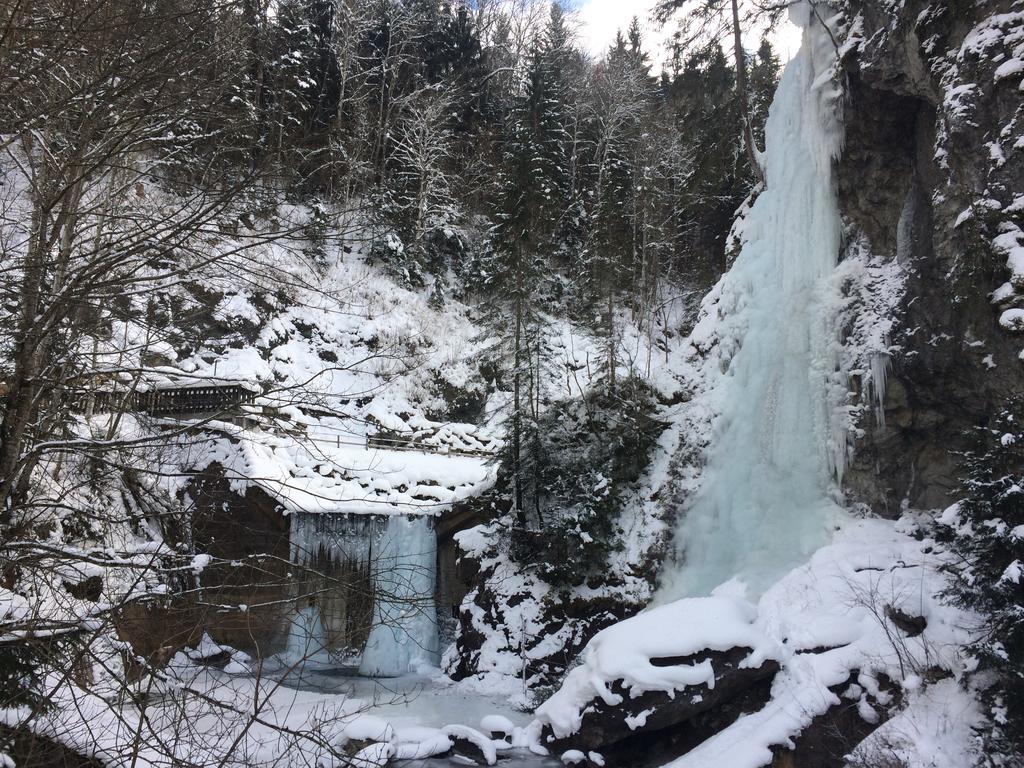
(423, 701)
(517, 759)
(431, 701)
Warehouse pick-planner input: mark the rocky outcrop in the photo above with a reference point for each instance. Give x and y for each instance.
(929, 176)
(655, 724)
(831, 737)
(557, 626)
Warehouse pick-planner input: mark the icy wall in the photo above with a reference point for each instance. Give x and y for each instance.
(767, 497)
(404, 634)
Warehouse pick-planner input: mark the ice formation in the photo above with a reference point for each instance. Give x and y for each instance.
(767, 498)
(404, 633)
(307, 640)
(337, 538)
(401, 552)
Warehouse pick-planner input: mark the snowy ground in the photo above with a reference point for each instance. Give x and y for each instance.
(830, 623)
(426, 699)
(415, 713)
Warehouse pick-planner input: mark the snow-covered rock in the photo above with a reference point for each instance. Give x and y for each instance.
(665, 649)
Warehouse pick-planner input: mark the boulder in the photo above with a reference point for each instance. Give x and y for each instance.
(646, 723)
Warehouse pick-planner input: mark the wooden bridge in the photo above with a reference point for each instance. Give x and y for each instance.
(227, 398)
(169, 401)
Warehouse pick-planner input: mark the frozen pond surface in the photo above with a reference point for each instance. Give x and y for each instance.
(516, 759)
(429, 700)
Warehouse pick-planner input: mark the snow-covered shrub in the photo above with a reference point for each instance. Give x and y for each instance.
(587, 452)
(19, 678)
(986, 529)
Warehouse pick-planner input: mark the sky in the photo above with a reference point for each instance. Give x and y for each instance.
(599, 19)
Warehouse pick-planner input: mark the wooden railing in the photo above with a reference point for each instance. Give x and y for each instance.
(386, 443)
(174, 402)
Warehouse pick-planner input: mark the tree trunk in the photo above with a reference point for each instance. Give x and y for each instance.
(741, 94)
(611, 339)
(21, 397)
(517, 404)
(254, 18)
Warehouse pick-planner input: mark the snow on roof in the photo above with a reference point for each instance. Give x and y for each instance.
(162, 378)
(314, 476)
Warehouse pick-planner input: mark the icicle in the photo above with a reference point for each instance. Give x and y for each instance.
(880, 362)
(905, 225)
(337, 538)
(307, 641)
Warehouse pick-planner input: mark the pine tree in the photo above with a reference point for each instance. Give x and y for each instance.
(637, 56)
(547, 96)
(515, 271)
(986, 530)
(709, 13)
(616, 246)
(611, 243)
(303, 88)
(462, 66)
(703, 99)
(764, 78)
(534, 190)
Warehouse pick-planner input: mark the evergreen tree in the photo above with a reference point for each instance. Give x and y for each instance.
(986, 530)
(764, 78)
(303, 87)
(637, 56)
(705, 106)
(534, 189)
(610, 248)
(462, 65)
(616, 246)
(514, 271)
(709, 14)
(546, 101)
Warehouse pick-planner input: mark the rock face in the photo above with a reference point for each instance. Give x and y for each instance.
(655, 724)
(930, 177)
(248, 536)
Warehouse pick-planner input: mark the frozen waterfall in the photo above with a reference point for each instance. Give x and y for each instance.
(768, 495)
(307, 641)
(392, 559)
(404, 633)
